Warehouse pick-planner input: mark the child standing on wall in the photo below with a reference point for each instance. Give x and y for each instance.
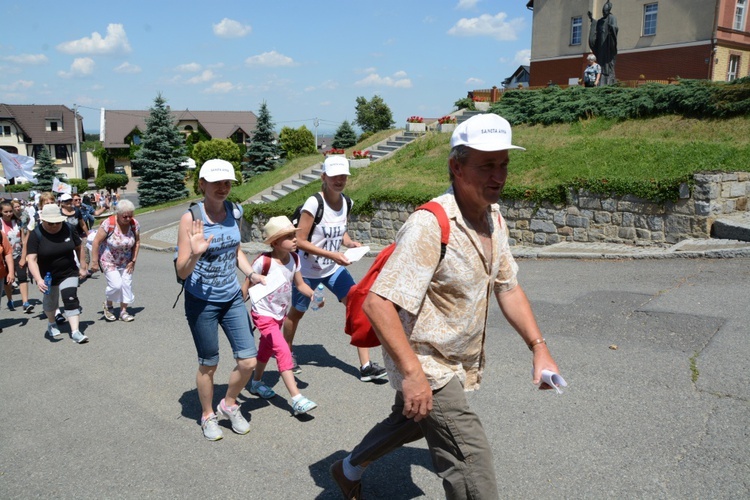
(269, 312)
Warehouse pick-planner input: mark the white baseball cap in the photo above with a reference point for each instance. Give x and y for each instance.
(336, 165)
(217, 170)
(65, 197)
(485, 132)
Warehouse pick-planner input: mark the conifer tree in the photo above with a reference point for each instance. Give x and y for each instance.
(263, 152)
(45, 170)
(345, 136)
(160, 158)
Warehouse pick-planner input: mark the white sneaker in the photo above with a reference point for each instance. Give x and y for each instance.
(211, 429)
(239, 424)
(79, 337)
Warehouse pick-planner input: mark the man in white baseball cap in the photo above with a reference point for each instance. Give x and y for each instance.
(430, 315)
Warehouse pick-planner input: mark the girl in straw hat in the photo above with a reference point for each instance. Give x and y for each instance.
(270, 311)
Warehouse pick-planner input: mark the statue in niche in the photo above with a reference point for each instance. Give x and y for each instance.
(603, 42)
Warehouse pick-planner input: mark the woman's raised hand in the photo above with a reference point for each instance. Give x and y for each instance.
(198, 243)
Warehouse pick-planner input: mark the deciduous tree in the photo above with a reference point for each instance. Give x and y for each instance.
(297, 142)
(373, 115)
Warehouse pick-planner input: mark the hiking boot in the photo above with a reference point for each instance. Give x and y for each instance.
(211, 429)
(303, 406)
(295, 367)
(27, 308)
(352, 490)
(52, 330)
(372, 371)
(11, 307)
(261, 389)
(239, 424)
(79, 337)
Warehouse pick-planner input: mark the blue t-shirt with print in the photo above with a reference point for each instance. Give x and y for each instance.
(214, 278)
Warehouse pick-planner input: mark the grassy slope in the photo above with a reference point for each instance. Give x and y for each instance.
(634, 150)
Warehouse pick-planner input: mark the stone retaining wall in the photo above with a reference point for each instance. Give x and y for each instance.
(590, 217)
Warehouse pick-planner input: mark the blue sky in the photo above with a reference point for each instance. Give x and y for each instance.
(305, 59)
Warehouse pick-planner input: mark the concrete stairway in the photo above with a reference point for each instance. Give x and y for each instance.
(289, 185)
(380, 150)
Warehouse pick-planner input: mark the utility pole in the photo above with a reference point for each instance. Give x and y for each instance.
(77, 165)
(316, 122)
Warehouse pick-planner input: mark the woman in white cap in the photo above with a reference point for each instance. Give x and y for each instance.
(208, 253)
(321, 260)
(52, 247)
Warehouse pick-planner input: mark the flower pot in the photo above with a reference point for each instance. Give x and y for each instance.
(415, 127)
(482, 106)
(359, 163)
(446, 127)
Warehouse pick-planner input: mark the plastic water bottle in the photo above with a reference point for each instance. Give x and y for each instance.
(317, 297)
(48, 282)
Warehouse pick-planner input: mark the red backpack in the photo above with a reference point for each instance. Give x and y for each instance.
(357, 324)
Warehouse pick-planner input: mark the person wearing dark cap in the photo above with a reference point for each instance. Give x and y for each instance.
(431, 320)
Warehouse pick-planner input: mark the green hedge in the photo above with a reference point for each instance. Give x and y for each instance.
(689, 98)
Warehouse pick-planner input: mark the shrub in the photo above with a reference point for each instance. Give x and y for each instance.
(81, 185)
(18, 188)
(111, 181)
(415, 119)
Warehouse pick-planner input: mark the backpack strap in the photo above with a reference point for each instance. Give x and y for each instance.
(266, 256)
(318, 211)
(445, 227)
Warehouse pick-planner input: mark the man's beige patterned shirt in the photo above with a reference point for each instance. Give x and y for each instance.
(444, 310)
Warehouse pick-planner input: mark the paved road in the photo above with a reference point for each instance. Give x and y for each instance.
(117, 418)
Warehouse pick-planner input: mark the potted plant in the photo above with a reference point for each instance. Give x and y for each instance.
(415, 124)
(447, 123)
(334, 152)
(481, 104)
(360, 159)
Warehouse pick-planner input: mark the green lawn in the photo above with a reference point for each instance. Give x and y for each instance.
(648, 158)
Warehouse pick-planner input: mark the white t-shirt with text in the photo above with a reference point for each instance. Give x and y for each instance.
(327, 235)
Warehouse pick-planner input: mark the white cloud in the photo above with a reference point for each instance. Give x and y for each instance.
(229, 28)
(221, 88)
(326, 103)
(466, 4)
(399, 74)
(523, 57)
(30, 59)
(205, 76)
(375, 80)
(474, 81)
(81, 67)
(116, 42)
(17, 85)
(429, 19)
(189, 67)
(270, 59)
(128, 68)
(496, 26)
